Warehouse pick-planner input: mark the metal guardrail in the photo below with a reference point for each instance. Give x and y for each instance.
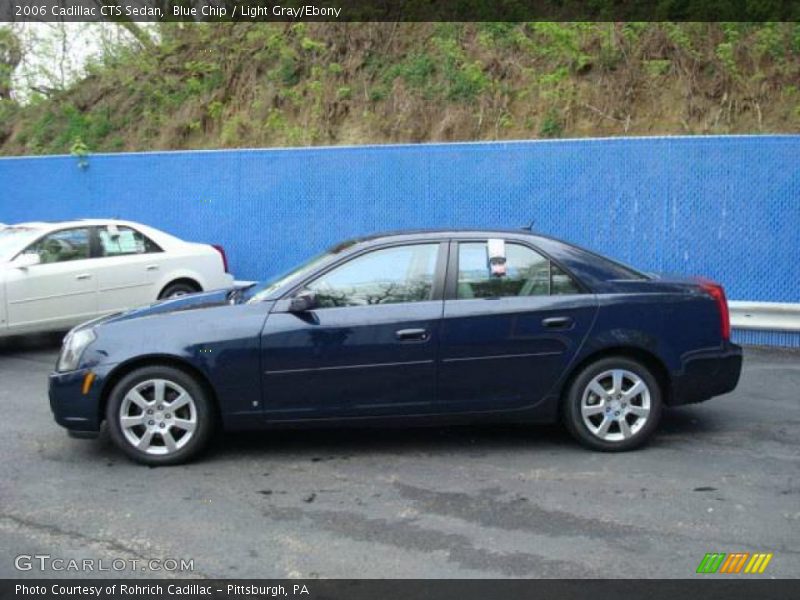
(767, 316)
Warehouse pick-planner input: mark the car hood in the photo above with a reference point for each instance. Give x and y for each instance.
(189, 302)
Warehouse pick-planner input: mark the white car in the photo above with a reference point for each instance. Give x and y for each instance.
(56, 275)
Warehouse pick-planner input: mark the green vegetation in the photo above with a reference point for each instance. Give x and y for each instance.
(244, 85)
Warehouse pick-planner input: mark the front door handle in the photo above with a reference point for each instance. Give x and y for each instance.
(84, 276)
(412, 335)
(558, 322)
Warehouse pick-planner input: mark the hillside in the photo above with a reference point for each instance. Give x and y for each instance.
(226, 85)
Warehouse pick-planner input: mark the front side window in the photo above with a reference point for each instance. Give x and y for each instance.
(525, 273)
(120, 240)
(62, 246)
(386, 276)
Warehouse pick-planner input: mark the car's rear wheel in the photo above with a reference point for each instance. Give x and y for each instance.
(176, 290)
(613, 404)
(159, 415)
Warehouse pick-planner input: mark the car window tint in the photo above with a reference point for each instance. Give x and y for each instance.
(386, 276)
(527, 273)
(561, 283)
(62, 246)
(124, 240)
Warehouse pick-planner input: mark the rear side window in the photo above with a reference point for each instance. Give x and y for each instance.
(121, 241)
(525, 273)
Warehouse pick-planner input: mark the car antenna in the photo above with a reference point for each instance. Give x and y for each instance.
(530, 226)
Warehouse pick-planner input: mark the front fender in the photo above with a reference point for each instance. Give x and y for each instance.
(222, 343)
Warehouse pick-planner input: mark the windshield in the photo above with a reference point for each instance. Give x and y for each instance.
(14, 239)
(266, 289)
(263, 291)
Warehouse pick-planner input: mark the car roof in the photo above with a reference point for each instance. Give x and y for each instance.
(590, 267)
(422, 234)
(72, 223)
(44, 227)
(411, 235)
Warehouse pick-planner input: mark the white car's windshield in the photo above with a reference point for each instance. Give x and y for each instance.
(14, 239)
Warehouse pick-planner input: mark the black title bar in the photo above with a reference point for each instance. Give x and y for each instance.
(398, 10)
(699, 588)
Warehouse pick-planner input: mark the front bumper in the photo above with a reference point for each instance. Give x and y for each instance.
(72, 408)
(706, 374)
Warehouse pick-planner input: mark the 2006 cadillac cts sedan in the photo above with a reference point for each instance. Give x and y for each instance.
(413, 328)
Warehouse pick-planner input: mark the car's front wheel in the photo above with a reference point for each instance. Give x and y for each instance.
(159, 415)
(613, 404)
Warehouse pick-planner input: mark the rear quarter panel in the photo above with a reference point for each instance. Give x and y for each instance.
(198, 262)
(671, 321)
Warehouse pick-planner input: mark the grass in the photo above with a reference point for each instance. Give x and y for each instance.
(232, 85)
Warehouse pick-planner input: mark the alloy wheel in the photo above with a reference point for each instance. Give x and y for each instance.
(615, 405)
(158, 417)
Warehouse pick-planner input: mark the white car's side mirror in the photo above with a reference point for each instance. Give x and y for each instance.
(28, 259)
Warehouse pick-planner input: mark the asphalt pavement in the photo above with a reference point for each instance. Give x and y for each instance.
(510, 501)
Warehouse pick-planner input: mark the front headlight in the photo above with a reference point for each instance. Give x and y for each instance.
(74, 345)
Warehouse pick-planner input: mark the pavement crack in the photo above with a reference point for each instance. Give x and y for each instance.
(105, 545)
(73, 535)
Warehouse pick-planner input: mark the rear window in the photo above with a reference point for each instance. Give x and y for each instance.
(618, 270)
(589, 267)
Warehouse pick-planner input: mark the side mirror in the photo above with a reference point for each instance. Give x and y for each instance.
(304, 301)
(28, 259)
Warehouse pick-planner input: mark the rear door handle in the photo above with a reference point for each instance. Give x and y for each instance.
(558, 322)
(412, 335)
(84, 276)
(152, 267)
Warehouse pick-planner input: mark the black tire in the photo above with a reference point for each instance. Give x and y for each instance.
(203, 415)
(574, 419)
(176, 289)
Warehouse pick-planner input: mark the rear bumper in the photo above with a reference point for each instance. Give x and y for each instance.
(73, 409)
(706, 374)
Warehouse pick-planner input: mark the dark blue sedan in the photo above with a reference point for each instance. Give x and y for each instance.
(417, 328)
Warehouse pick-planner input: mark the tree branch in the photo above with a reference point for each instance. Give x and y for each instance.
(129, 24)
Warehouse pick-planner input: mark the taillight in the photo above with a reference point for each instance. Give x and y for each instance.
(717, 292)
(221, 251)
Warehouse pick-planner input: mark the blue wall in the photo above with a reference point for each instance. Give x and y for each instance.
(724, 207)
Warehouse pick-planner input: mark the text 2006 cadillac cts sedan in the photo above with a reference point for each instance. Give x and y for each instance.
(417, 328)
